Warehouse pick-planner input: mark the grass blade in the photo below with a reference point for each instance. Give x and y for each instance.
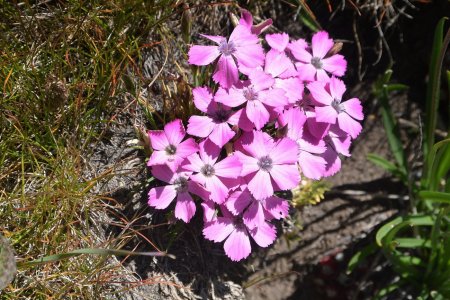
(433, 196)
(95, 251)
(387, 165)
(433, 89)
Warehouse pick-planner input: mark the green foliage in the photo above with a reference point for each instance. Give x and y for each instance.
(418, 243)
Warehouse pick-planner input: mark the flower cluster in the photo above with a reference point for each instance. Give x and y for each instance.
(273, 115)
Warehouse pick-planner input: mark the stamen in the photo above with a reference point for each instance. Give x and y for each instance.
(171, 150)
(181, 185)
(316, 62)
(227, 48)
(207, 170)
(250, 94)
(265, 163)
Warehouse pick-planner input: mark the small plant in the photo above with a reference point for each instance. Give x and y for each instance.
(267, 117)
(417, 244)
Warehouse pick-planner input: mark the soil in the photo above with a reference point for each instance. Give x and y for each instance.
(311, 267)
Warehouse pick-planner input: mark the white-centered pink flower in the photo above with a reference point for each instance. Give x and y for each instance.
(216, 176)
(216, 124)
(237, 235)
(315, 63)
(168, 145)
(268, 165)
(180, 187)
(242, 47)
(258, 94)
(332, 108)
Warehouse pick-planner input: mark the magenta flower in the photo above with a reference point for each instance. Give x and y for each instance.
(310, 162)
(317, 65)
(338, 142)
(256, 212)
(233, 229)
(247, 21)
(268, 165)
(215, 124)
(259, 96)
(347, 113)
(242, 46)
(217, 176)
(179, 186)
(168, 146)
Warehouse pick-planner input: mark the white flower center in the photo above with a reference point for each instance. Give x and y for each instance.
(265, 163)
(336, 104)
(171, 150)
(207, 170)
(316, 62)
(227, 48)
(250, 94)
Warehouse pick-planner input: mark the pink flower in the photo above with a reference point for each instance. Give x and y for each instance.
(233, 229)
(180, 186)
(168, 146)
(242, 46)
(338, 142)
(316, 65)
(247, 21)
(256, 212)
(310, 162)
(268, 165)
(347, 113)
(215, 124)
(258, 95)
(217, 176)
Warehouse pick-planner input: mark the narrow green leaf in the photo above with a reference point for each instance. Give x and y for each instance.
(387, 233)
(396, 87)
(308, 17)
(381, 233)
(360, 256)
(95, 251)
(387, 165)
(412, 243)
(386, 290)
(433, 90)
(438, 197)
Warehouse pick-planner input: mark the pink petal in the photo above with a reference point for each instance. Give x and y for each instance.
(195, 163)
(294, 119)
(349, 125)
(229, 167)
(203, 55)
(322, 76)
(163, 173)
(306, 72)
(237, 246)
(298, 49)
(226, 73)
(240, 119)
(264, 235)
(218, 190)
(274, 97)
(232, 98)
(249, 56)
(284, 152)
(215, 38)
(258, 28)
(341, 140)
(249, 164)
(317, 129)
(353, 108)
(199, 190)
(257, 113)
(292, 87)
(336, 65)
(321, 44)
(221, 134)
(209, 211)
(278, 41)
(337, 88)
(209, 152)
(333, 162)
(185, 207)
(202, 98)
(161, 197)
(261, 80)
(246, 18)
(175, 132)
(312, 166)
(238, 201)
(326, 114)
(277, 63)
(158, 158)
(218, 230)
(200, 126)
(285, 176)
(254, 215)
(260, 185)
(187, 148)
(257, 143)
(319, 93)
(158, 139)
(277, 207)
